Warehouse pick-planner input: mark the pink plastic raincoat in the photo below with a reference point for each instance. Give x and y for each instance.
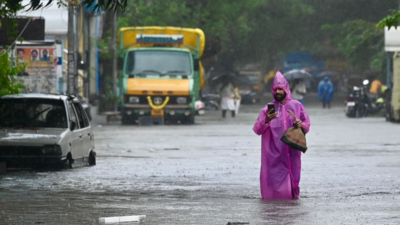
(280, 165)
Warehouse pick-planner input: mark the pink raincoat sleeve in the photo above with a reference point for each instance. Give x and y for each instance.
(302, 114)
(259, 126)
(305, 119)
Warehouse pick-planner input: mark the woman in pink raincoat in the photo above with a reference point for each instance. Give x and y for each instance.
(280, 165)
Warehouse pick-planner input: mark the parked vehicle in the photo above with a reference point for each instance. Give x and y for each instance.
(161, 73)
(86, 106)
(359, 104)
(255, 78)
(247, 89)
(211, 101)
(45, 129)
(199, 108)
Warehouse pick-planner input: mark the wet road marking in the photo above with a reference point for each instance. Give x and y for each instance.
(121, 219)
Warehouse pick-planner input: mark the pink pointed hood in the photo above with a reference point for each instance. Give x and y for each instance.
(281, 82)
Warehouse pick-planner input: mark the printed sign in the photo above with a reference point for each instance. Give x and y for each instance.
(159, 39)
(40, 74)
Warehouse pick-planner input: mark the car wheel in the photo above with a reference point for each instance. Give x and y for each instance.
(92, 158)
(128, 120)
(67, 163)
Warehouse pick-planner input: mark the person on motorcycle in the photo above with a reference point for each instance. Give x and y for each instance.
(374, 89)
(377, 92)
(325, 92)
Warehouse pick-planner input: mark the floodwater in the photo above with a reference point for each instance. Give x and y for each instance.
(208, 173)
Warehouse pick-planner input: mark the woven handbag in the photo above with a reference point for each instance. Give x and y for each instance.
(295, 137)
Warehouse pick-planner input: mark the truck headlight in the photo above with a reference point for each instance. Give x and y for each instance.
(181, 100)
(52, 150)
(133, 99)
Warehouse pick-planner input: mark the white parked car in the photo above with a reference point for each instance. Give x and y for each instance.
(37, 129)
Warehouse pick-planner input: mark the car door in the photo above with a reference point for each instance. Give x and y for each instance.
(76, 147)
(85, 129)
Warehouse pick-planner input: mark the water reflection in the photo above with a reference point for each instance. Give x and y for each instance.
(281, 211)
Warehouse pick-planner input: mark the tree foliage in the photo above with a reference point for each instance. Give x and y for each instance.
(359, 41)
(235, 30)
(260, 30)
(12, 6)
(391, 20)
(9, 83)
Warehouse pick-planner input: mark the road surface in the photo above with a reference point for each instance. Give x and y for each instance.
(208, 173)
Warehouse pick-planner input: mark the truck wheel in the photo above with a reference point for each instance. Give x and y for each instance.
(189, 120)
(127, 120)
(124, 120)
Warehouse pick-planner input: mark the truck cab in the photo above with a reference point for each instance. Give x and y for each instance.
(161, 74)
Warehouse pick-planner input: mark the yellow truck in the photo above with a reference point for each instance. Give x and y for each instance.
(160, 73)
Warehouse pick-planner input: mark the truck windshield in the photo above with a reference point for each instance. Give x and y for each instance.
(31, 112)
(158, 63)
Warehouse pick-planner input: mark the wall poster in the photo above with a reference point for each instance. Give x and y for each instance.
(40, 74)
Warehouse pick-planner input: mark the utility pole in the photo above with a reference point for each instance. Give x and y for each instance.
(72, 81)
(88, 53)
(115, 55)
(70, 47)
(76, 40)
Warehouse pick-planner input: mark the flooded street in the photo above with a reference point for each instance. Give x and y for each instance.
(120, 63)
(208, 173)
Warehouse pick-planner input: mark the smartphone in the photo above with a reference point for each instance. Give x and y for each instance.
(271, 106)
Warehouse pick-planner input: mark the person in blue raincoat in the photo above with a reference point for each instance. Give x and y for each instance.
(325, 92)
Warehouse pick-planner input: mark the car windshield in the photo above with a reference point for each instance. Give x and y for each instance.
(32, 112)
(142, 63)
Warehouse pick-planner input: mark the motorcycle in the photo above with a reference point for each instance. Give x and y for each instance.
(359, 104)
(199, 107)
(249, 97)
(211, 101)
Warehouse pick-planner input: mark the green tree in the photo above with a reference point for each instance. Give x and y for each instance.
(9, 83)
(391, 20)
(359, 41)
(10, 7)
(255, 30)
(237, 31)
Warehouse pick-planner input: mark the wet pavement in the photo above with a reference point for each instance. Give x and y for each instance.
(208, 173)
